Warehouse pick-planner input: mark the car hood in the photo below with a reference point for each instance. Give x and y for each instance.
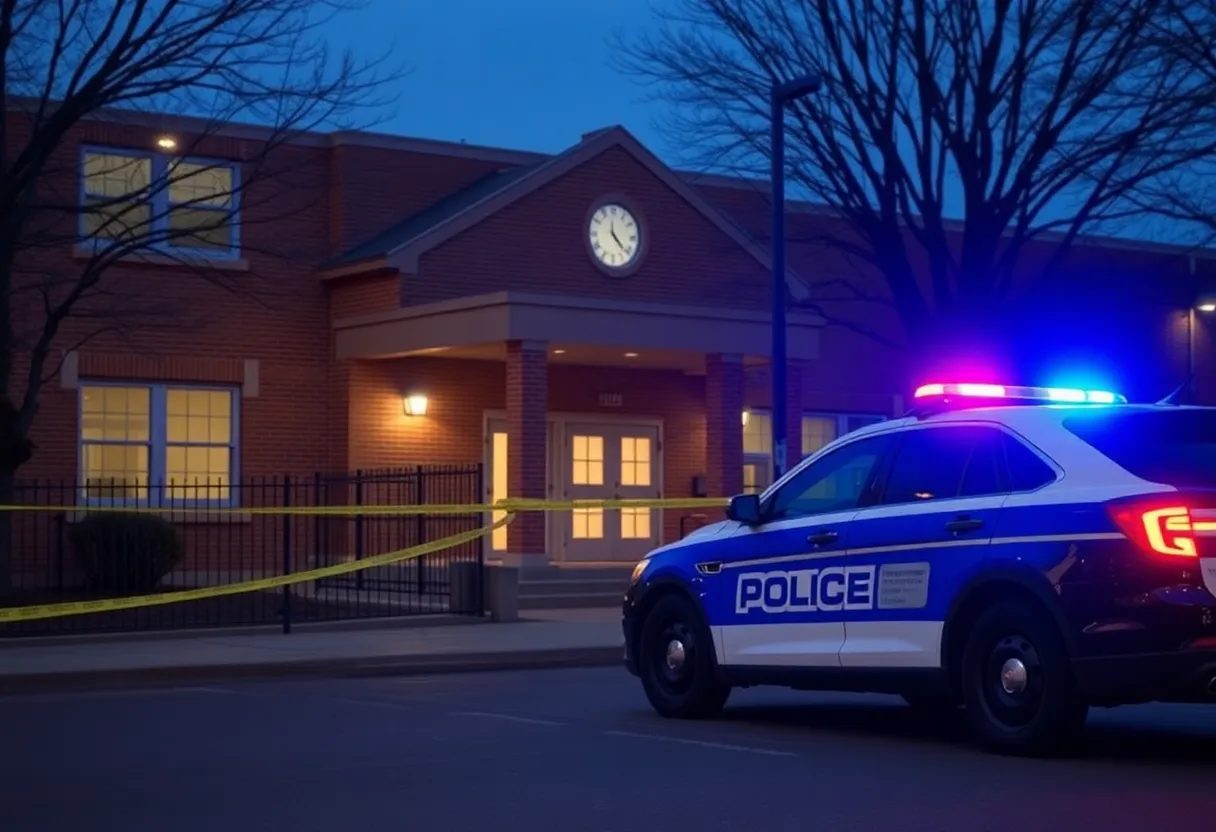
(722, 528)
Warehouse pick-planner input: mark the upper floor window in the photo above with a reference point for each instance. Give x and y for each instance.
(157, 202)
(157, 444)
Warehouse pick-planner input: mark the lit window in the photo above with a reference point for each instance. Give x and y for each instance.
(635, 461)
(635, 523)
(587, 460)
(117, 196)
(152, 201)
(818, 431)
(200, 200)
(157, 444)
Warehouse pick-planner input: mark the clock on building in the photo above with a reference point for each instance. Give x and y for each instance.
(615, 236)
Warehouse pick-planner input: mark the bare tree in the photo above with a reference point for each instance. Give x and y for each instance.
(66, 65)
(948, 136)
(1188, 196)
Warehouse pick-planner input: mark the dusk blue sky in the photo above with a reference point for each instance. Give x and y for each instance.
(534, 75)
(527, 74)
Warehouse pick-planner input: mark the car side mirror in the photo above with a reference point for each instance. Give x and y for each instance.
(745, 509)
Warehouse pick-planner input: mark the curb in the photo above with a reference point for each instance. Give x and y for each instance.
(351, 668)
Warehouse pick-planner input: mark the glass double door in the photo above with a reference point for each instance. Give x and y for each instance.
(591, 461)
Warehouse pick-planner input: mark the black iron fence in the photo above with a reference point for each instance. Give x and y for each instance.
(57, 552)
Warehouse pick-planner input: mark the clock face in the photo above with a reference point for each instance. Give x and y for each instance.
(615, 236)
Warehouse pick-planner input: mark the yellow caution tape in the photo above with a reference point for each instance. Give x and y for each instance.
(31, 613)
(508, 505)
(511, 506)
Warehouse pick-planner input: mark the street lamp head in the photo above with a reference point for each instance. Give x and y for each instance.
(797, 87)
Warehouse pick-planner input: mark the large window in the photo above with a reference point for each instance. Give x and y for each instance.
(156, 202)
(157, 443)
(818, 429)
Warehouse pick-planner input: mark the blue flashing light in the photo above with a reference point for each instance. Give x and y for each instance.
(999, 391)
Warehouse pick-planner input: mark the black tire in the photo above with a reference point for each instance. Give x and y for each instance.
(684, 687)
(930, 703)
(1039, 713)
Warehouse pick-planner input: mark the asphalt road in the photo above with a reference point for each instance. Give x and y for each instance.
(569, 749)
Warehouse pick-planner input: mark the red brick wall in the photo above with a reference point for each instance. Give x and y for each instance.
(354, 296)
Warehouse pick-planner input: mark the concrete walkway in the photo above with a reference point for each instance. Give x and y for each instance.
(553, 638)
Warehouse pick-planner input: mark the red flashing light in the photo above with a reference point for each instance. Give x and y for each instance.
(1157, 528)
(1047, 395)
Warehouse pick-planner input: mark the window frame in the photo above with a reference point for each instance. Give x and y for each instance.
(870, 491)
(159, 201)
(158, 430)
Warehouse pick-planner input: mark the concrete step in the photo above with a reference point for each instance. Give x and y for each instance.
(583, 587)
(573, 587)
(571, 602)
(534, 574)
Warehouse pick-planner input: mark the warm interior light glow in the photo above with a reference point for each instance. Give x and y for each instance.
(631, 355)
(166, 143)
(415, 404)
(1207, 307)
(746, 415)
(559, 352)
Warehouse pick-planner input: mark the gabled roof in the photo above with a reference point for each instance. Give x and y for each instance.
(417, 224)
(401, 246)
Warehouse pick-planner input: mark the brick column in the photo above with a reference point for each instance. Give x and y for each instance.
(724, 424)
(527, 407)
(795, 375)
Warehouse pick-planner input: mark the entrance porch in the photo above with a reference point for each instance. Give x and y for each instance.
(576, 398)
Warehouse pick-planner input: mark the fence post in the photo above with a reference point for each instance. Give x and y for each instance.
(359, 528)
(420, 529)
(481, 543)
(287, 590)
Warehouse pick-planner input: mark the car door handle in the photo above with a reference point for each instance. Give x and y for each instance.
(822, 538)
(964, 524)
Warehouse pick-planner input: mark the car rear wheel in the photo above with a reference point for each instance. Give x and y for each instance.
(1017, 684)
(675, 660)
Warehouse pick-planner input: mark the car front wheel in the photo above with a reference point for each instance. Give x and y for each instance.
(1017, 684)
(675, 660)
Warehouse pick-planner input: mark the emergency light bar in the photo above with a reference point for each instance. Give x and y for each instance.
(1024, 394)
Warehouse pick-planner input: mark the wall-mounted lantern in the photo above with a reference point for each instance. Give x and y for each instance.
(415, 404)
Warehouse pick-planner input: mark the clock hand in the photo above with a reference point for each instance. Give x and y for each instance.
(612, 231)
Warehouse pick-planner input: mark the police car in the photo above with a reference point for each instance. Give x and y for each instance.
(1024, 553)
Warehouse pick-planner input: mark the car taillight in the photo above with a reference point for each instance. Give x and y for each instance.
(1160, 528)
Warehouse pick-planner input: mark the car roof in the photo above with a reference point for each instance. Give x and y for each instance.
(1038, 425)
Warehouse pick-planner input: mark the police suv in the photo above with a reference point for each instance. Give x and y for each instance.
(1024, 553)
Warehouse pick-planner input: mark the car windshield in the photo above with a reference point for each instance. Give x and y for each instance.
(1172, 446)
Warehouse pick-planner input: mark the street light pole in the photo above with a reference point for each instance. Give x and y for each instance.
(780, 95)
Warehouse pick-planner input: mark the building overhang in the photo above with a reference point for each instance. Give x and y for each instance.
(477, 327)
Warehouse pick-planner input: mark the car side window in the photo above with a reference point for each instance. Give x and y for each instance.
(945, 463)
(835, 482)
(1026, 470)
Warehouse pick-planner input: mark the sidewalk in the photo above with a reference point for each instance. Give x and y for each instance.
(551, 638)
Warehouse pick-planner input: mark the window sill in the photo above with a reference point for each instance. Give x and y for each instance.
(191, 517)
(184, 260)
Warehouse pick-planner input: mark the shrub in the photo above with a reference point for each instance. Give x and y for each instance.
(125, 553)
